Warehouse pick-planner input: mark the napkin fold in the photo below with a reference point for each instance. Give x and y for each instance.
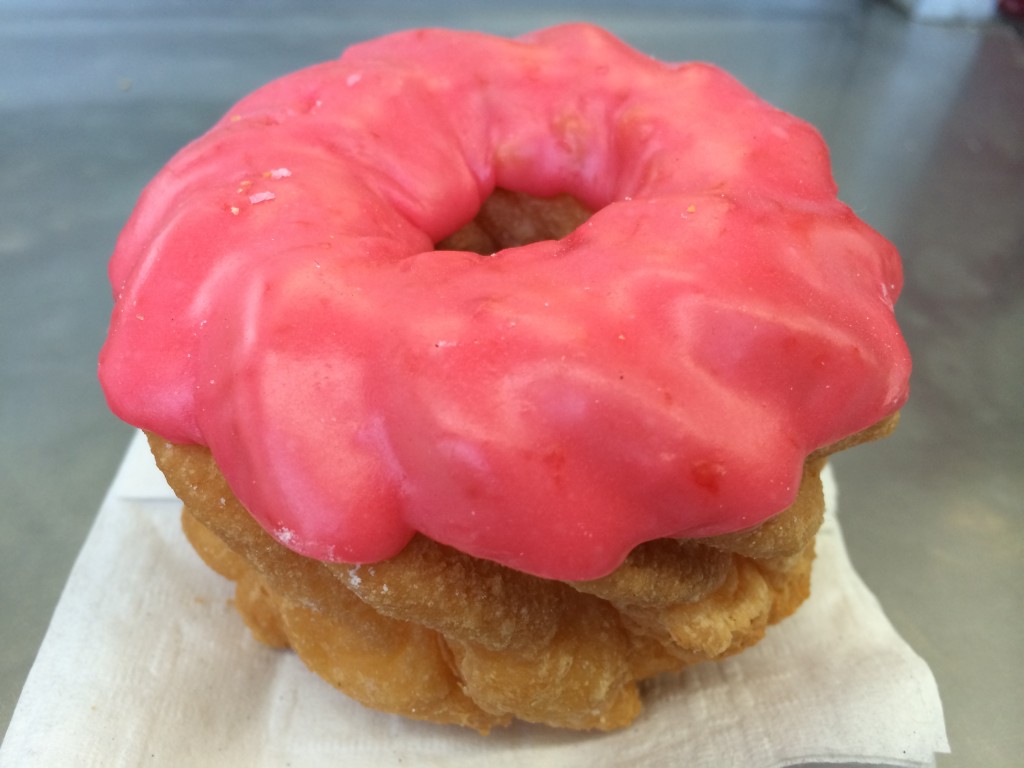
(146, 662)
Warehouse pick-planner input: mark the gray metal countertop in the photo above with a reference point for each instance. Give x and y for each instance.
(926, 126)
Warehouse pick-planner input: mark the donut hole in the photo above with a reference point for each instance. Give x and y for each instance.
(513, 219)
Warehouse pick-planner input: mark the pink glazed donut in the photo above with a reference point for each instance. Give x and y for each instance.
(664, 371)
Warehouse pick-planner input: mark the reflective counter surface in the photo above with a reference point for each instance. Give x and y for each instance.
(926, 127)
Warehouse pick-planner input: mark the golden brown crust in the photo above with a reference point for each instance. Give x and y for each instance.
(511, 219)
(435, 634)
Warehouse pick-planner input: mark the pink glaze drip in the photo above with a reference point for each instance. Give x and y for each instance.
(662, 371)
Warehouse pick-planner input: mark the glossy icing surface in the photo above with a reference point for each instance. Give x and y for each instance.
(662, 371)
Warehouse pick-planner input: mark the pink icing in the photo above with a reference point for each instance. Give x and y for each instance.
(662, 371)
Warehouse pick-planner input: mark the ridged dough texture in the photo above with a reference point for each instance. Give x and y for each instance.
(437, 635)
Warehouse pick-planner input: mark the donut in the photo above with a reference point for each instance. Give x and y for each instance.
(526, 351)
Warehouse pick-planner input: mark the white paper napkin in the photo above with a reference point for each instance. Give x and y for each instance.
(146, 663)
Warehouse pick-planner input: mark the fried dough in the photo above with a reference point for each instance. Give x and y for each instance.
(437, 635)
